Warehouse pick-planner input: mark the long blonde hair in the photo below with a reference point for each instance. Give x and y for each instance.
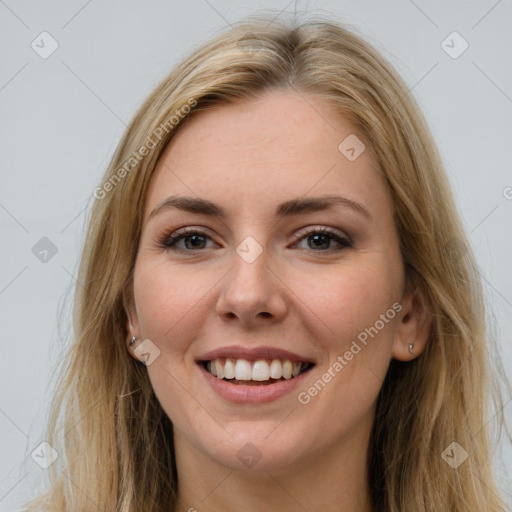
(116, 442)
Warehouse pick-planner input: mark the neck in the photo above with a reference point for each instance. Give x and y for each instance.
(335, 480)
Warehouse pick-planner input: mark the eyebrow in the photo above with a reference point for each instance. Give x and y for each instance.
(288, 208)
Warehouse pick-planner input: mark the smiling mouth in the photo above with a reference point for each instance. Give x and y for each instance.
(254, 373)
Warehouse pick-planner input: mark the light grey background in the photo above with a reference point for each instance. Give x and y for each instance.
(63, 116)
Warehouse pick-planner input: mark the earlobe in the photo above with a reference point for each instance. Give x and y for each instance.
(131, 342)
(413, 328)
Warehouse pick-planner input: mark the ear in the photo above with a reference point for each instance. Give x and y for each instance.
(413, 326)
(132, 323)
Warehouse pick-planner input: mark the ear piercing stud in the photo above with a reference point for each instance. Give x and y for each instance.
(133, 340)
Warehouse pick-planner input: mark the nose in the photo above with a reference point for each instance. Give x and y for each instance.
(252, 293)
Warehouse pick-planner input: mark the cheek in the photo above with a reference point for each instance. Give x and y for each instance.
(347, 298)
(352, 316)
(169, 301)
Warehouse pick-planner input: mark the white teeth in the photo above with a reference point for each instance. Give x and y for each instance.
(243, 370)
(261, 370)
(219, 368)
(229, 369)
(276, 369)
(287, 369)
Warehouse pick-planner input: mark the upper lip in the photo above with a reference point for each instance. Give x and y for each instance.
(253, 354)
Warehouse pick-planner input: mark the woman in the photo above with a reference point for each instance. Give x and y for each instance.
(278, 306)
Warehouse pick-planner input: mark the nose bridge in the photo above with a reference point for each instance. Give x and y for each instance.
(250, 271)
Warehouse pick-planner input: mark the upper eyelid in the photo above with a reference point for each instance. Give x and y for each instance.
(318, 227)
(205, 231)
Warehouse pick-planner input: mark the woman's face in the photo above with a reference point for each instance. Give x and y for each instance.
(265, 277)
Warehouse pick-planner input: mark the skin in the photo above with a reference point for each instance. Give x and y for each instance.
(248, 158)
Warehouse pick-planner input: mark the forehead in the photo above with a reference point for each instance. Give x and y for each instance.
(266, 151)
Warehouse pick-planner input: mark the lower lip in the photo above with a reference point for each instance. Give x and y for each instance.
(251, 394)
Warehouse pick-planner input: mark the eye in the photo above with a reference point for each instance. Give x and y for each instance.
(192, 238)
(322, 238)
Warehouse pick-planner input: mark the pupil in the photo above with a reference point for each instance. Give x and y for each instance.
(195, 240)
(316, 237)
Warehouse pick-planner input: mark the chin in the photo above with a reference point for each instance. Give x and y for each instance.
(256, 451)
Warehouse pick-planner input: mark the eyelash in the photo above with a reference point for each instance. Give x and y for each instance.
(169, 241)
